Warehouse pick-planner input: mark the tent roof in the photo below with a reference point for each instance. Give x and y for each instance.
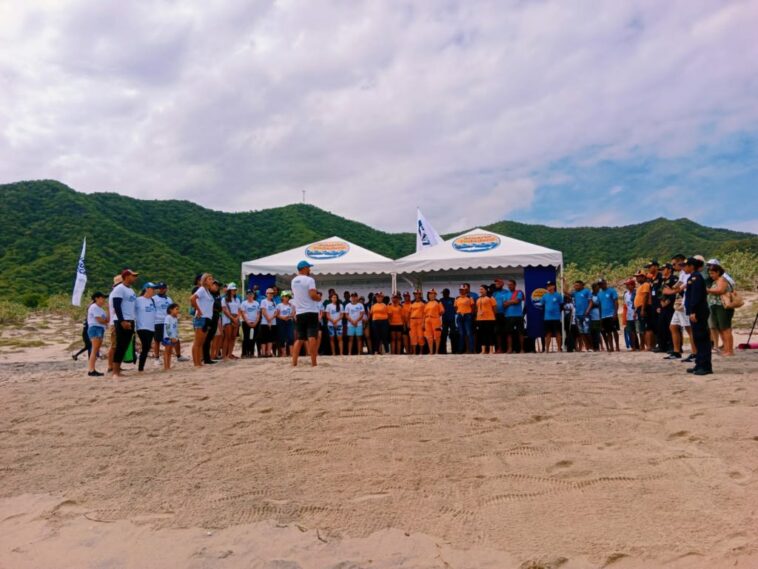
(479, 249)
(332, 256)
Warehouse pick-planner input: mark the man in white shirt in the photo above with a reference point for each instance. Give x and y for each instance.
(124, 300)
(307, 302)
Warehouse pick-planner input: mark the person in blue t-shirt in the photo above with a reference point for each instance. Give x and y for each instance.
(500, 294)
(582, 305)
(552, 303)
(595, 318)
(514, 316)
(609, 321)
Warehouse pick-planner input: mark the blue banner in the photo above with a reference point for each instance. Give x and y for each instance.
(534, 282)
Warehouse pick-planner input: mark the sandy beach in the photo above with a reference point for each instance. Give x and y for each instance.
(572, 460)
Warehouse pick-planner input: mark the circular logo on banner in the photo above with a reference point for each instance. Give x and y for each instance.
(476, 242)
(327, 250)
(537, 295)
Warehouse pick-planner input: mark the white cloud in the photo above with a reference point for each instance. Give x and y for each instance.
(374, 107)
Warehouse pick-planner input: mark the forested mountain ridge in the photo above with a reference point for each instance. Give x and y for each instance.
(44, 222)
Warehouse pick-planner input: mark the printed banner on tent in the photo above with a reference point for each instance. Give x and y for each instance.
(327, 250)
(476, 242)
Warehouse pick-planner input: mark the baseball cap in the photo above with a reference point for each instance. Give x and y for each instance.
(126, 272)
(161, 284)
(640, 274)
(548, 283)
(714, 262)
(653, 263)
(231, 286)
(630, 281)
(149, 285)
(668, 266)
(694, 261)
(699, 258)
(287, 294)
(269, 291)
(302, 265)
(432, 291)
(250, 291)
(118, 279)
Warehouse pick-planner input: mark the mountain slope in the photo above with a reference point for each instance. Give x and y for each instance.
(44, 222)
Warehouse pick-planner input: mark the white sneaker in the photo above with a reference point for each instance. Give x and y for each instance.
(156, 362)
(182, 359)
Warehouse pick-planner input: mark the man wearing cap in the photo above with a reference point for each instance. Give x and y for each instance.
(145, 322)
(307, 301)
(117, 280)
(696, 308)
(609, 306)
(514, 317)
(124, 300)
(552, 304)
(655, 278)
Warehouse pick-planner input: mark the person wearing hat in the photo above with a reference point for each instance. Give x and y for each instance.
(380, 327)
(552, 305)
(433, 311)
(655, 278)
(396, 321)
(307, 302)
(642, 307)
(696, 308)
(666, 309)
(97, 320)
(145, 320)
(416, 322)
(230, 321)
(267, 327)
(117, 280)
(124, 300)
(464, 320)
(630, 330)
(582, 297)
(679, 319)
(286, 313)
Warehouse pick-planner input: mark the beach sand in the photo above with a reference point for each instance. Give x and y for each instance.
(571, 460)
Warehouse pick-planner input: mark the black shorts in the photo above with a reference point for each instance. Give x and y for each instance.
(159, 332)
(396, 328)
(307, 325)
(609, 324)
(514, 325)
(553, 327)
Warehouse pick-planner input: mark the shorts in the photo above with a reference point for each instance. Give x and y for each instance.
(355, 330)
(642, 325)
(159, 330)
(201, 324)
(610, 324)
(167, 342)
(720, 318)
(266, 334)
(334, 330)
(583, 324)
(95, 332)
(680, 319)
(514, 325)
(553, 327)
(307, 325)
(417, 332)
(285, 332)
(396, 328)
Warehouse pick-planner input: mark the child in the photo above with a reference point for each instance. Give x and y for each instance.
(170, 333)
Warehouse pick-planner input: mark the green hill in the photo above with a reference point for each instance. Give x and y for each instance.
(44, 222)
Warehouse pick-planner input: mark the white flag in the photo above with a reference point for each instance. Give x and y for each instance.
(81, 278)
(426, 236)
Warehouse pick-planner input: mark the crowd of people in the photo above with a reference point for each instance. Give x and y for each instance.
(658, 306)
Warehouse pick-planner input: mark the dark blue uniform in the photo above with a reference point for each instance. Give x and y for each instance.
(695, 303)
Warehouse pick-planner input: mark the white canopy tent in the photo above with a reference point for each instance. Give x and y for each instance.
(337, 264)
(476, 256)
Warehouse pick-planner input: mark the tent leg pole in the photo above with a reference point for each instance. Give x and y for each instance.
(394, 283)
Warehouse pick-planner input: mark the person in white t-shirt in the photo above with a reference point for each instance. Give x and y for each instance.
(97, 320)
(355, 311)
(267, 327)
(112, 326)
(123, 299)
(285, 316)
(230, 320)
(250, 316)
(202, 302)
(334, 315)
(307, 302)
(145, 320)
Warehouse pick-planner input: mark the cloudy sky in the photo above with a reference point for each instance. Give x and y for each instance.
(559, 112)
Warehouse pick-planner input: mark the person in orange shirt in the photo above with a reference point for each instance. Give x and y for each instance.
(433, 312)
(380, 323)
(642, 308)
(416, 322)
(485, 320)
(407, 322)
(464, 315)
(396, 319)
